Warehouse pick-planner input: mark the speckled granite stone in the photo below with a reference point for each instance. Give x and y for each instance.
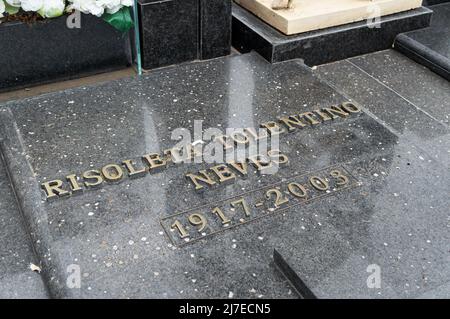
(16, 253)
(33, 54)
(433, 2)
(430, 46)
(416, 110)
(397, 217)
(322, 46)
(176, 31)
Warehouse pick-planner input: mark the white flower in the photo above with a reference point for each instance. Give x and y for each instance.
(2, 8)
(114, 9)
(32, 5)
(126, 3)
(88, 7)
(111, 6)
(14, 3)
(52, 8)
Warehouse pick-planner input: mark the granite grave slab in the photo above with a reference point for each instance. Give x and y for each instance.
(430, 46)
(347, 193)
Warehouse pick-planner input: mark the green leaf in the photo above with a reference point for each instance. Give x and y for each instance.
(10, 9)
(121, 20)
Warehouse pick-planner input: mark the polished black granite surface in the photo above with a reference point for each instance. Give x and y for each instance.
(418, 110)
(393, 213)
(433, 2)
(17, 280)
(177, 31)
(215, 27)
(430, 46)
(322, 46)
(49, 51)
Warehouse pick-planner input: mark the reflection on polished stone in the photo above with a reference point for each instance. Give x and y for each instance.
(356, 191)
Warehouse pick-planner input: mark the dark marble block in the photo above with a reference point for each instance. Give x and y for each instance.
(433, 2)
(431, 46)
(169, 32)
(322, 46)
(176, 31)
(49, 51)
(215, 28)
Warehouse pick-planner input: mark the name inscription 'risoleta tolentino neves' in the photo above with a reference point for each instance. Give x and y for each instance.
(217, 174)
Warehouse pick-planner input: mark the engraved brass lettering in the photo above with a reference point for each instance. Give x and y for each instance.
(53, 189)
(132, 171)
(342, 179)
(261, 162)
(243, 203)
(335, 112)
(240, 138)
(92, 174)
(310, 117)
(241, 168)
(203, 177)
(350, 107)
(217, 211)
(273, 128)
(280, 199)
(223, 173)
(154, 161)
(198, 220)
(73, 180)
(292, 122)
(112, 172)
(277, 157)
(319, 183)
(178, 226)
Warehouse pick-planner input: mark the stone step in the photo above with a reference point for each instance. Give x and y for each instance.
(430, 46)
(322, 46)
(433, 2)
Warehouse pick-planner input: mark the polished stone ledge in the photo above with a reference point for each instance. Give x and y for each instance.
(431, 46)
(322, 46)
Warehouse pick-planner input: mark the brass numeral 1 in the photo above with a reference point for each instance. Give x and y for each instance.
(223, 218)
(178, 226)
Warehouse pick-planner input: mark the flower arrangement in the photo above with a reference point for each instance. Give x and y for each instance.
(110, 10)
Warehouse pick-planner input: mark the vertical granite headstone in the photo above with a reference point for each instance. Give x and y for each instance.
(215, 28)
(177, 31)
